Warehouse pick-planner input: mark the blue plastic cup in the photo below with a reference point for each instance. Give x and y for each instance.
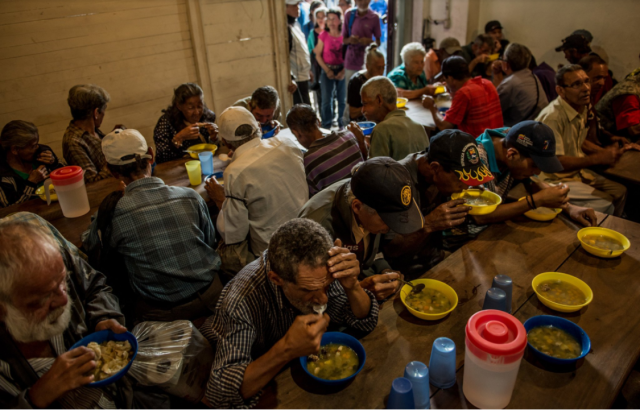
(442, 363)
(495, 299)
(418, 375)
(206, 162)
(401, 396)
(505, 283)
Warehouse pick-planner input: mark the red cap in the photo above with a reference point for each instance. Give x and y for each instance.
(496, 333)
(67, 175)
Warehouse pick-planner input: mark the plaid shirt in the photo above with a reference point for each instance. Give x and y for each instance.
(400, 79)
(251, 316)
(476, 107)
(166, 238)
(84, 150)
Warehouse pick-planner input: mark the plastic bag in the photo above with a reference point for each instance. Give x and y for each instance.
(173, 356)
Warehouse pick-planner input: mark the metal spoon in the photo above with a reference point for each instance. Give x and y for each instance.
(414, 288)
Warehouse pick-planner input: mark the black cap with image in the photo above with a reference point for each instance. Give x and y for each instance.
(385, 185)
(538, 142)
(577, 41)
(453, 65)
(458, 151)
(492, 25)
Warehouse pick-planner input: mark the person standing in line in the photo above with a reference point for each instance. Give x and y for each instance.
(328, 53)
(359, 31)
(298, 56)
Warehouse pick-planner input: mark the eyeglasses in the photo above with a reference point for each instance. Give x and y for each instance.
(578, 84)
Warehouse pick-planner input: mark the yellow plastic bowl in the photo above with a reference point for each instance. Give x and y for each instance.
(439, 90)
(537, 216)
(401, 102)
(201, 148)
(430, 284)
(604, 232)
(41, 194)
(494, 57)
(572, 280)
(480, 210)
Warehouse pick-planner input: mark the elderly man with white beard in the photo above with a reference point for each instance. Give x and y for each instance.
(49, 299)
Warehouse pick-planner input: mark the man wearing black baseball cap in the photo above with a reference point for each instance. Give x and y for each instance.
(451, 164)
(575, 47)
(517, 154)
(494, 29)
(378, 198)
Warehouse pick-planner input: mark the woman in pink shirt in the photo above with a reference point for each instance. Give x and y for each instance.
(328, 53)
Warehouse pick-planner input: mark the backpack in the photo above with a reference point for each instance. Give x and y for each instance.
(352, 18)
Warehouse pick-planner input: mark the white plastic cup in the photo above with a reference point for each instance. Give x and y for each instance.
(494, 346)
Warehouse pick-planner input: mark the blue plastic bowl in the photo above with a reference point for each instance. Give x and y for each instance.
(344, 339)
(367, 127)
(104, 336)
(269, 134)
(219, 175)
(560, 323)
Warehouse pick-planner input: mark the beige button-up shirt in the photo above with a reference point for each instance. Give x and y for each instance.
(570, 130)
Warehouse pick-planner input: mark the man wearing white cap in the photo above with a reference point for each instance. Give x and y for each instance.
(265, 185)
(163, 234)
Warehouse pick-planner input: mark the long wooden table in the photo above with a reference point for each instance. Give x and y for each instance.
(172, 173)
(419, 114)
(611, 320)
(521, 249)
(627, 169)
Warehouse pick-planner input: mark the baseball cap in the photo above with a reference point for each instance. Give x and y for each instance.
(538, 141)
(492, 25)
(450, 45)
(385, 185)
(121, 146)
(585, 33)
(453, 65)
(458, 150)
(577, 41)
(231, 119)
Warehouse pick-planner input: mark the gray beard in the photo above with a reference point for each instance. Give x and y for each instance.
(25, 329)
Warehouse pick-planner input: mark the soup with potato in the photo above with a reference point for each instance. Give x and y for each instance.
(335, 362)
(559, 291)
(428, 301)
(554, 342)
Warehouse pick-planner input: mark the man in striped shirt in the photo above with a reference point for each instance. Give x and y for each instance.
(329, 157)
(272, 311)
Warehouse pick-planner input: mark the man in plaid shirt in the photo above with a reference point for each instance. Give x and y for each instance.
(82, 141)
(266, 316)
(475, 106)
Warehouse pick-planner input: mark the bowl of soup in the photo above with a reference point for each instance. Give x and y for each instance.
(52, 192)
(340, 359)
(401, 102)
(482, 202)
(194, 150)
(434, 302)
(562, 292)
(603, 242)
(541, 214)
(556, 340)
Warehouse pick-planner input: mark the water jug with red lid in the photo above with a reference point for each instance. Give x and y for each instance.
(494, 346)
(72, 194)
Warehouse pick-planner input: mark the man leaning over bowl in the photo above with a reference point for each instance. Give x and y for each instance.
(266, 315)
(50, 298)
(517, 155)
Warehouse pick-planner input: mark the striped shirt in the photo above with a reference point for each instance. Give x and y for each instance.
(251, 316)
(330, 159)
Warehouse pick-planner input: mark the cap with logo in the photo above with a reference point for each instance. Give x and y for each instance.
(453, 65)
(120, 147)
(538, 141)
(586, 33)
(492, 25)
(385, 185)
(231, 119)
(450, 45)
(458, 150)
(577, 41)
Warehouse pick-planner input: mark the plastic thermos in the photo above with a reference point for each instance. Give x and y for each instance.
(72, 194)
(494, 346)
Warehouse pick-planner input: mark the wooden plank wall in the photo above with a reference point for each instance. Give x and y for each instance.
(138, 50)
(240, 47)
